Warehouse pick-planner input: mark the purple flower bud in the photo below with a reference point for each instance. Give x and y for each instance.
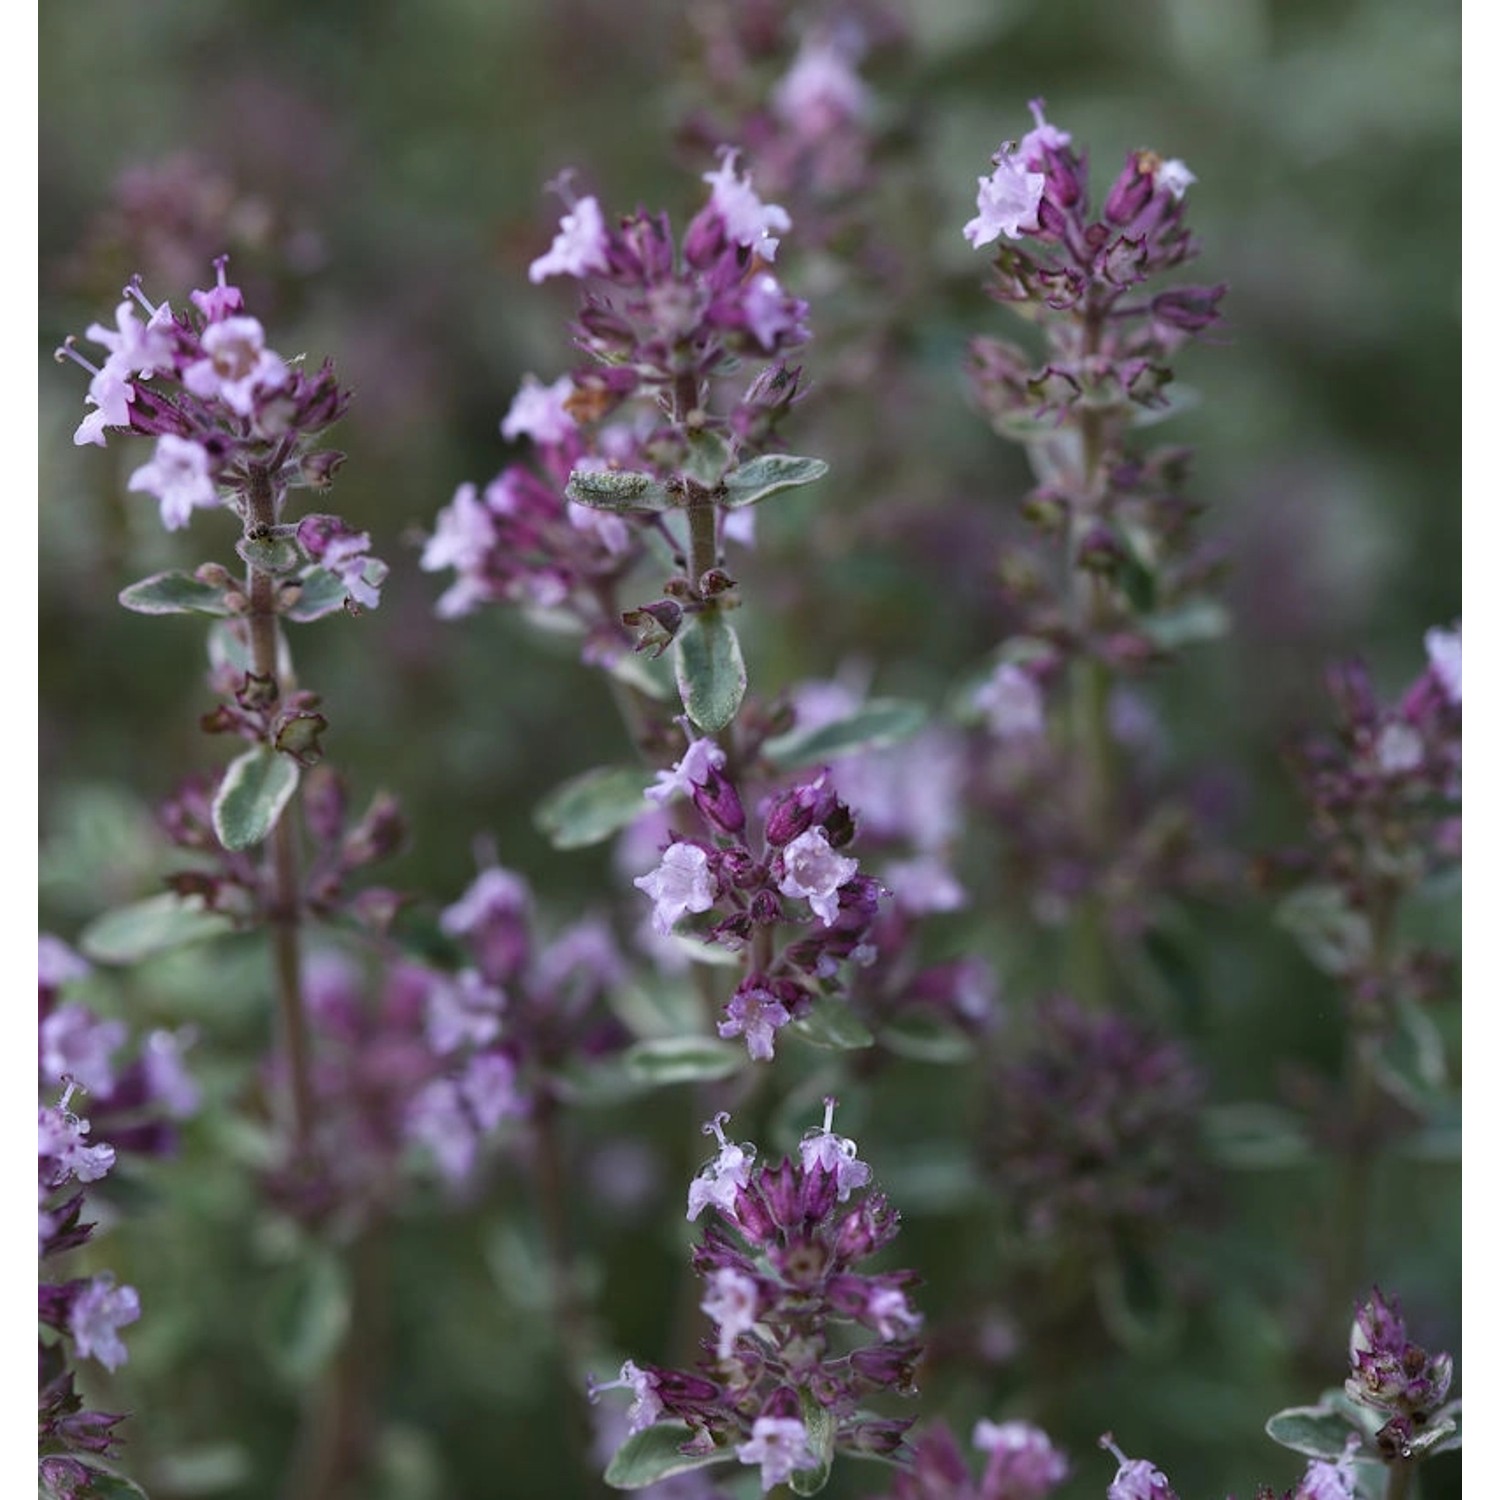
(1132, 189)
(1188, 308)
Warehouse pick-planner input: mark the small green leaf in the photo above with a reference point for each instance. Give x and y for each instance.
(306, 1316)
(1317, 1431)
(656, 1453)
(587, 809)
(1188, 624)
(256, 788)
(880, 722)
(174, 593)
(682, 1059)
(156, 925)
(822, 1428)
(619, 490)
(768, 475)
(320, 593)
(1331, 933)
(928, 1039)
(1441, 1437)
(710, 671)
(270, 554)
(830, 1023)
(707, 458)
(1138, 571)
(1255, 1136)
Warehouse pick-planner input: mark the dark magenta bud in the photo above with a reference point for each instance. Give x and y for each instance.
(1132, 189)
(1190, 308)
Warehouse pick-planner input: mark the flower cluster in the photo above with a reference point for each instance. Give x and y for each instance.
(225, 410)
(1114, 578)
(1395, 1377)
(742, 888)
(1383, 791)
(778, 1387)
(88, 1311)
(505, 1028)
(635, 445)
(135, 1100)
(1093, 1130)
(1020, 1464)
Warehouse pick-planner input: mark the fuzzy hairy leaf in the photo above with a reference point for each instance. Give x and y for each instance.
(255, 790)
(618, 490)
(769, 475)
(880, 722)
(173, 593)
(1317, 1431)
(682, 1059)
(158, 924)
(656, 1454)
(710, 671)
(588, 808)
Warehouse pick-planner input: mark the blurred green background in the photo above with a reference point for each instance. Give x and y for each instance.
(377, 170)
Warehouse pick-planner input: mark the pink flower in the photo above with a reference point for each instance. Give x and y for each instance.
(813, 870)
(778, 1445)
(1035, 143)
(731, 1302)
(720, 1181)
(180, 476)
(701, 759)
(1174, 177)
(237, 366)
(539, 412)
(1007, 202)
(1023, 1464)
(100, 1310)
(836, 1154)
(1013, 702)
(747, 221)
(580, 248)
(756, 1014)
(820, 91)
(680, 884)
(1445, 655)
(465, 534)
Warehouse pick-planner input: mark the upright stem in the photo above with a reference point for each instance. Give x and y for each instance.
(1400, 1479)
(284, 915)
(1090, 684)
(1361, 1112)
(568, 1310)
(338, 1430)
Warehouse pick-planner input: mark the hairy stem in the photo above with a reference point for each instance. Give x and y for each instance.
(284, 914)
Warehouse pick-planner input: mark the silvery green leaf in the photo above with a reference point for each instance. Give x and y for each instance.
(618, 490)
(682, 1059)
(255, 790)
(656, 1453)
(880, 722)
(1317, 1431)
(587, 809)
(710, 671)
(270, 554)
(769, 475)
(173, 593)
(158, 924)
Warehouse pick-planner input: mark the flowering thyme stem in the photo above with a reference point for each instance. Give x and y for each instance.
(1090, 711)
(285, 913)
